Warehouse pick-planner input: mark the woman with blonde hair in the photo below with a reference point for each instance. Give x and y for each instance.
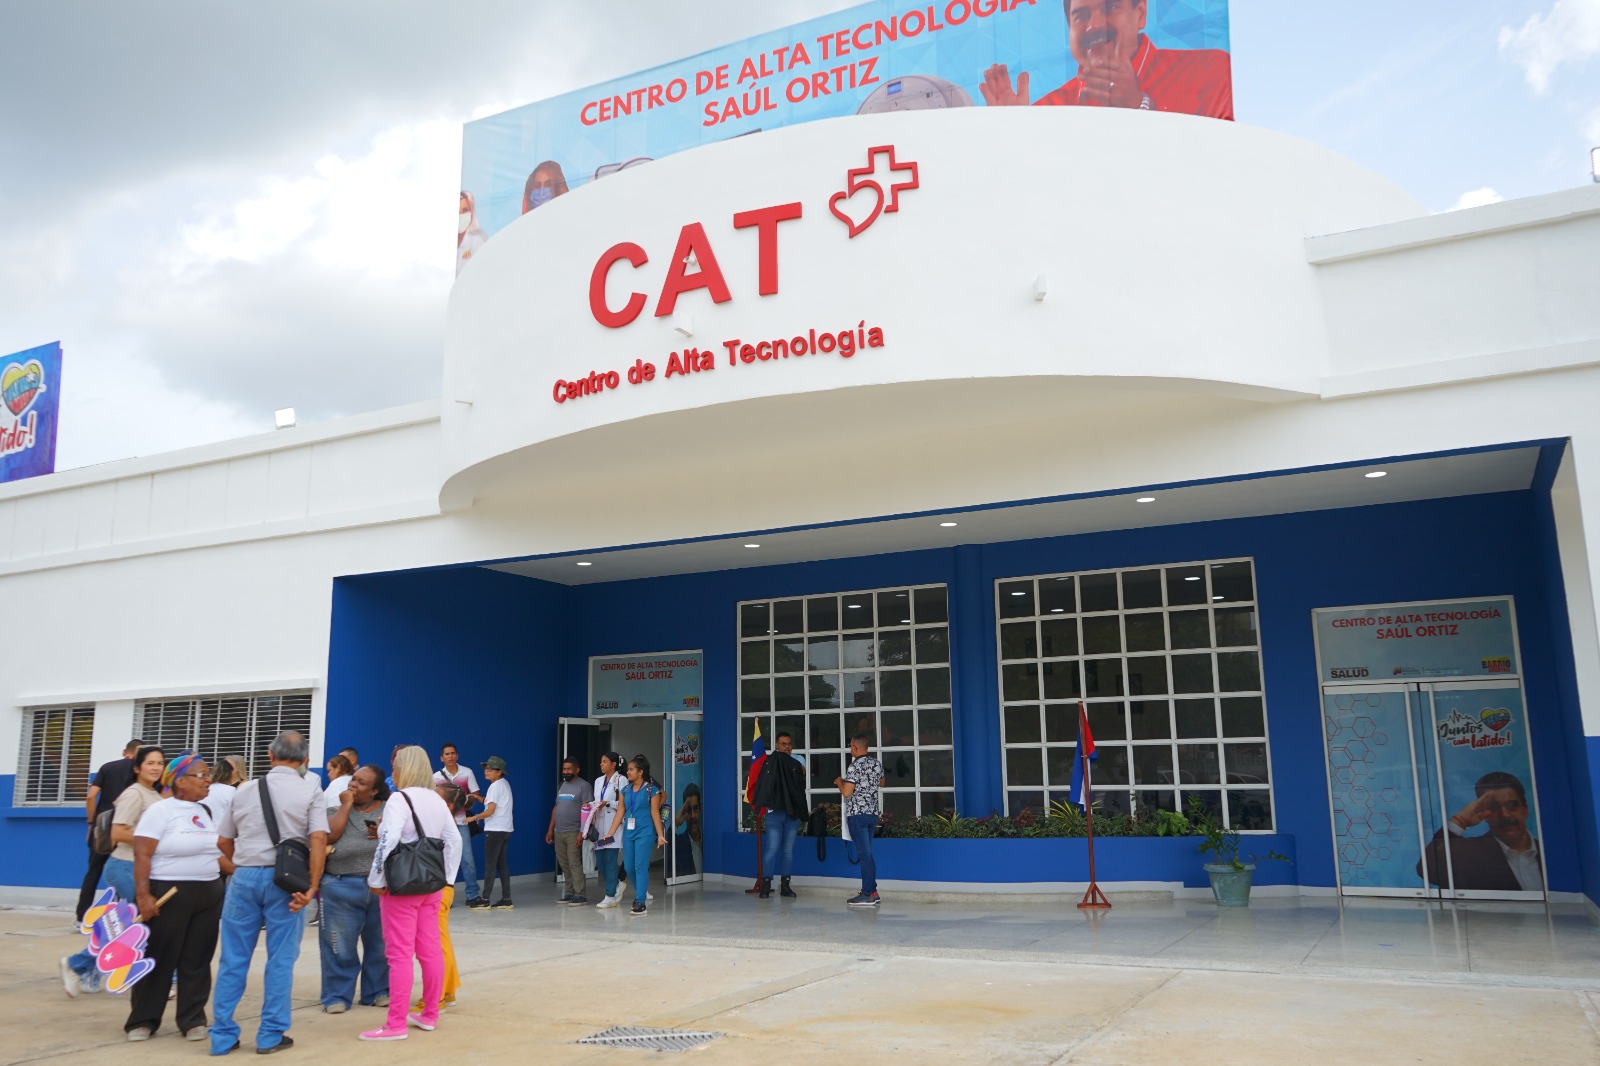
(411, 921)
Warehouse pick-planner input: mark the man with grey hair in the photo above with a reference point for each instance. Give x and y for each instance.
(253, 899)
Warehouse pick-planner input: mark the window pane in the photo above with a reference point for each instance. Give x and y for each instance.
(1103, 635)
(1111, 767)
(1162, 799)
(865, 724)
(938, 768)
(1061, 722)
(1059, 636)
(1058, 762)
(1024, 766)
(1230, 582)
(825, 766)
(1020, 801)
(1192, 673)
(755, 657)
(755, 695)
(933, 645)
(894, 608)
(822, 653)
(822, 613)
(938, 802)
(1146, 632)
(933, 685)
(1061, 681)
(894, 688)
(1019, 682)
(788, 616)
(1247, 764)
(1022, 724)
(933, 726)
(794, 725)
(857, 613)
(1150, 720)
(747, 730)
(1016, 599)
(753, 620)
(788, 655)
(894, 647)
(1249, 808)
(825, 732)
(900, 805)
(1190, 629)
(1057, 596)
(822, 690)
(1210, 801)
(1239, 671)
(930, 605)
(1242, 716)
(789, 693)
(1107, 721)
(1102, 677)
(1152, 764)
(1196, 718)
(1186, 584)
(896, 728)
(1018, 641)
(860, 689)
(1097, 592)
(899, 769)
(1197, 764)
(1147, 675)
(1141, 588)
(1236, 627)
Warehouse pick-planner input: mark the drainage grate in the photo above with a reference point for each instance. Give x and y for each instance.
(650, 1039)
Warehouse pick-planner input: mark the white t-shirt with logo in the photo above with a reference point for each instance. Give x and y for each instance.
(499, 794)
(186, 841)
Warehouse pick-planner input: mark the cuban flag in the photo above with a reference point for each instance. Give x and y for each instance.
(1085, 750)
(758, 755)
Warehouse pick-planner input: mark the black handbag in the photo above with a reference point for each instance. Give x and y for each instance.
(415, 867)
(291, 867)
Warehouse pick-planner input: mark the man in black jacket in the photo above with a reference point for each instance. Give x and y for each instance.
(108, 783)
(781, 789)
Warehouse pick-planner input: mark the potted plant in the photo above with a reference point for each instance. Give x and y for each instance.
(1230, 875)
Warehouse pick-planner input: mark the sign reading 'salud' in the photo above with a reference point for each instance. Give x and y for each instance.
(30, 386)
(886, 55)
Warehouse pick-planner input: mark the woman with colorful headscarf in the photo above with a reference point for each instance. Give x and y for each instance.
(175, 850)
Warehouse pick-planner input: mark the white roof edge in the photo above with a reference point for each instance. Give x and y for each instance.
(237, 448)
(1563, 206)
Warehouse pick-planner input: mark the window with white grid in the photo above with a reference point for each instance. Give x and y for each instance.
(242, 724)
(824, 668)
(1167, 660)
(54, 768)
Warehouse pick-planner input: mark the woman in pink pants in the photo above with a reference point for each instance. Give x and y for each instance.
(411, 923)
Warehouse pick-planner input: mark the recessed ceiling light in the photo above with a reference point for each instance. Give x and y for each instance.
(585, 564)
(1145, 499)
(1377, 473)
(1193, 577)
(948, 525)
(905, 621)
(853, 606)
(752, 545)
(1019, 594)
(1058, 610)
(1216, 597)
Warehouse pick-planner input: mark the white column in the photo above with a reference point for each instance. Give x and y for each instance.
(1575, 498)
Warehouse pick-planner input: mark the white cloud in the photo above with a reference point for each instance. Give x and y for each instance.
(1477, 198)
(1569, 33)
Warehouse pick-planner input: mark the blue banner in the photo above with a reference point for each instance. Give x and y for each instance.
(886, 55)
(30, 385)
(1409, 641)
(631, 684)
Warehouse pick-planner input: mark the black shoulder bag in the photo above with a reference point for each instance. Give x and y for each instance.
(415, 867)
(291, 868)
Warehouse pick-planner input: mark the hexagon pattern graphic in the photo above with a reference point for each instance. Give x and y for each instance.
(1372, 793)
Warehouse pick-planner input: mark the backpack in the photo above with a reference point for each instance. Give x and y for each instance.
(102, 842)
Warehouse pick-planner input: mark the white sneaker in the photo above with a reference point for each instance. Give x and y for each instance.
(606, 904)
(69, 977)
(650, 895)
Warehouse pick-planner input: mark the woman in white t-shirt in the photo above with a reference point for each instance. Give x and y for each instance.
(175, 849)
(607, 788)
(497, 826)
(226, 777)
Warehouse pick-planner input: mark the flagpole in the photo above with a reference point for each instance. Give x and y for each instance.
(1093, 899)
(761, 835)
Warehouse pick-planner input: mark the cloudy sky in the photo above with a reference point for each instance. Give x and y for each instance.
(224, 208)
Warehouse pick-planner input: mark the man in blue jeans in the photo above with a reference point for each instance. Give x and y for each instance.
(255, 901)
(781, 790)
(464, 779)
(859, 786)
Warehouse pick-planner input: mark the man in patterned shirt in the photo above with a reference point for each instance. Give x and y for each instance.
(859, 786)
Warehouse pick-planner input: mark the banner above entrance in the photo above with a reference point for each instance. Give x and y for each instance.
(630, 684)
(1429, 638)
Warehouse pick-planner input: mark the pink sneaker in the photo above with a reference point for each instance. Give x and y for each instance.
(384, 1034)
(416, 1020)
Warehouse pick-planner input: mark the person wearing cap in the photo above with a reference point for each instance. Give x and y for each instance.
(497, 826)
(175, 849)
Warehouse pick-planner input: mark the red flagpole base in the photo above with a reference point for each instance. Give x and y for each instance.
(1094, 899)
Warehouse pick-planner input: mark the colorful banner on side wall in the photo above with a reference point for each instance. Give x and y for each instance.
(1410, 641)
(631, 684)
(30, 384)
(886, 55)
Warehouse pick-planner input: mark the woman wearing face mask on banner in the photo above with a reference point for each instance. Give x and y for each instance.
(543, 185)
(469, 238)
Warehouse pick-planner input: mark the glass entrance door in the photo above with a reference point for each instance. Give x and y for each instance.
(685, 836)
(1431, 787)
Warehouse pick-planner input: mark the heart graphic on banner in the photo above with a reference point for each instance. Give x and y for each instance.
(846, 208)
(1496, 718)
(20, 384)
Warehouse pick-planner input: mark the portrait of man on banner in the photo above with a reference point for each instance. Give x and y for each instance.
(1119, 67)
